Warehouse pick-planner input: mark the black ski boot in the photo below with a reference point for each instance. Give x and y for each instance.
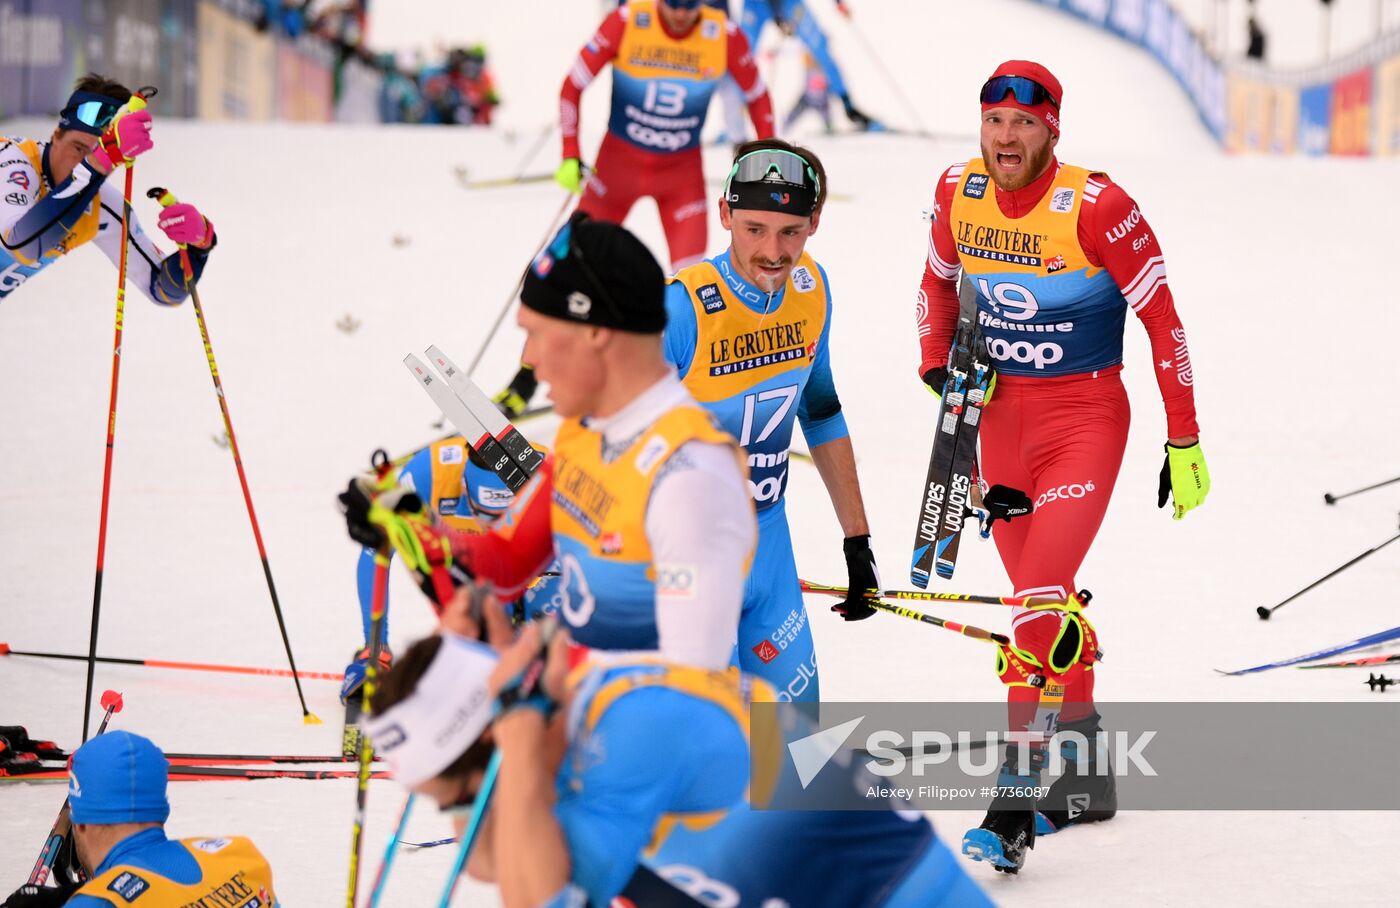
(516, 397)
(1086, 792)
(1008, 831)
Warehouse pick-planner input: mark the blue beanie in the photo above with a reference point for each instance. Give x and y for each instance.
(488, 493)
(118, 777)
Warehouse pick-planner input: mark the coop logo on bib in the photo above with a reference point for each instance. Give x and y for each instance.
(976, 186)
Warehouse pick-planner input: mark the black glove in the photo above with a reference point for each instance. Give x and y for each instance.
(31, 896)
(936, 378)
(864, 578)
(355, 501)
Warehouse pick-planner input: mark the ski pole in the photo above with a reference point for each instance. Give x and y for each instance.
(111, 702)
(966, 630)
(1333, 499)
(875, 58)
(464, 850)
(136, 103)
(534, 675)
(1264, 613)
(390, 851)
(5, 650)
(925, 596)
(166, 199)
(190, 759)
(376, 643)
(501, 317)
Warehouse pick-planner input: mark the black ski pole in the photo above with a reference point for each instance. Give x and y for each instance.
(1264, 612)
(1333, 499)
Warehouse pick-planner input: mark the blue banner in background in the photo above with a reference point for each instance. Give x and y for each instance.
(1315, 119)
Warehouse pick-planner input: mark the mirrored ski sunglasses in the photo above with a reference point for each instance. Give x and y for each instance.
(1026, 91)
(562, 247)
(88, 112)
(770, 163)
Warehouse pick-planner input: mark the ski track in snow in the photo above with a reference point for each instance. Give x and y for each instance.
(1265, 258)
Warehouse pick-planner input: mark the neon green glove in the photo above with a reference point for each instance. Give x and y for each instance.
(1186, 477)
(571, 174)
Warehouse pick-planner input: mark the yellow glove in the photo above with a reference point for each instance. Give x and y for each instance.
(571, 174)
(1186, 477)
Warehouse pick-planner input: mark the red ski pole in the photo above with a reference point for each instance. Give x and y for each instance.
(166, 199)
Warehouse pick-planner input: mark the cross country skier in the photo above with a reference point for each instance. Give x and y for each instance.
(793, 18)
(1058, 254)
(117, 798)
(642, 754)
(749, 333)
(54, 197)
(667, 56)
(643, 501)
(465, 494)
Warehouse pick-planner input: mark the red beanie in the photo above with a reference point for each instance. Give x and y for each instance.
(1048, 113)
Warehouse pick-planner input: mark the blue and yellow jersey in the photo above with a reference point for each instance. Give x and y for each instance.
(757, 365)
(149, 869)
(625, 786)
(662, 85)
(43, 219)
(854, 854)
(19, 263)
(435, 473)
(1045, 310)
(598, 517)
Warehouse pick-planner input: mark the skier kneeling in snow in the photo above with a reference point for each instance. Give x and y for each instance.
(116, 796)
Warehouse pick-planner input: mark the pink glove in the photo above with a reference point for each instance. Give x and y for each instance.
(183, 223)
(128, 136)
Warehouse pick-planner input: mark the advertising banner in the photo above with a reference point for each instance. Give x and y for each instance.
(1251, 116)
(50, 42)
(304, 90)
(1387, 107)
(14, 55)
(1351, 113)
(1314, 110)
(1285, 121)
(237, 67)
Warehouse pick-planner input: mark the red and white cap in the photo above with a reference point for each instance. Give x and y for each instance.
(1043, 109)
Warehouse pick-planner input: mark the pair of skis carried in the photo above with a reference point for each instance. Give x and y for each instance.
(493, 437)
(953, 463)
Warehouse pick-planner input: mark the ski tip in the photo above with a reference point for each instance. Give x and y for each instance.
(111, 700)
(311, 719)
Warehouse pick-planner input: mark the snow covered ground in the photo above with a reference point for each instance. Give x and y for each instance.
(1277, 265)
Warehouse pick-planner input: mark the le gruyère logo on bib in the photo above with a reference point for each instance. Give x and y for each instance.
(767, 346)
(802, 279)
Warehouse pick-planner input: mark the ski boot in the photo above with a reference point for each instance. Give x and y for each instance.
(860, 120)
(353, 684)
(1008, 831)
(516, 397)
(1086, 792)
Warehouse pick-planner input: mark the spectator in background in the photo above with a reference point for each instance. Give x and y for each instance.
(1258, 41)
(460, 92)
